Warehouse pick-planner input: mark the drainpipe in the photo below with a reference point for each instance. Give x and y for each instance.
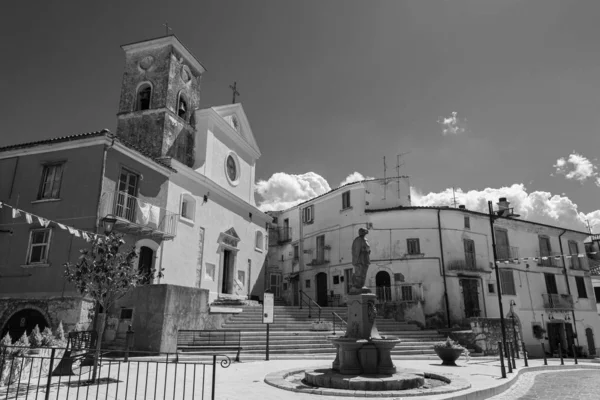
(102, 172)
(443, 269)
(562, 256)
(300, 252)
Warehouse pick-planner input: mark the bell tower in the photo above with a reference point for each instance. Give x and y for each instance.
(159, 94)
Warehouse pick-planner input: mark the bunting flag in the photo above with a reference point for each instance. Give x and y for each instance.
(16, 213)
(545, 258)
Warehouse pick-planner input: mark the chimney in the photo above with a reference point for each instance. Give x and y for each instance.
(503, 204)
(462, 207)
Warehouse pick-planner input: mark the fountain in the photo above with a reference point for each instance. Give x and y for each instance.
(363, 360)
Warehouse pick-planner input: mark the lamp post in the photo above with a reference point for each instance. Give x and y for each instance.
(492, 218)
(108, 223)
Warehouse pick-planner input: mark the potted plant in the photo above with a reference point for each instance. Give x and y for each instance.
(448, 351)
(35, 339)
(538, 332)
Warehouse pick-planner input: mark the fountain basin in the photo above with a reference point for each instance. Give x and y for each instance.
(364, 356)
(327, 378)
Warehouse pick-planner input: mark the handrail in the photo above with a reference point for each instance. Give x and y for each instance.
(310, 300)
(333, 315)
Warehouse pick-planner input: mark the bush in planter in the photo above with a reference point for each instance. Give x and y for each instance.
(449, 351)
(22, 345)
(60, 334)
(35, 338)
(47, 338)
(538, 332)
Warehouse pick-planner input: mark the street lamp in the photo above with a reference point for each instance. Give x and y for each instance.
(108, 223)
(492, 218)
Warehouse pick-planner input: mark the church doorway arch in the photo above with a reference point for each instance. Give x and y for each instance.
(321, 280)
(383, 286)
(23, 321)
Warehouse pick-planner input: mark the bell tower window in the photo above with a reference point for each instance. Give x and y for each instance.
(144, 95)
(182, 107)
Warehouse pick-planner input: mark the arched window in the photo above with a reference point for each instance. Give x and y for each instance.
(144, 95)
(188, 207)
(182, 107)
(259, 241)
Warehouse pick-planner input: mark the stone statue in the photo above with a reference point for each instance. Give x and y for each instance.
(360, 260)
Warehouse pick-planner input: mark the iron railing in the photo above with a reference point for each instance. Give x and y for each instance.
(310, 302)
(399, 293)
(33, 373)
(551, 259)
(336, 319)
(580, 263)
(135, 214)
(558, 301)
(507, 253)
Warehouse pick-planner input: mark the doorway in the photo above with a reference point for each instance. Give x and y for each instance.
(589, 334)
(227, 283)
(295, 289)
(145, 260)
(23, 322)
(321, 280)
(383, 287)
(275, 285)
(470, 297)
(127, 190)
(560, 334)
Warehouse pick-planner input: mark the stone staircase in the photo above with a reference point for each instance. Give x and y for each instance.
(291, 336)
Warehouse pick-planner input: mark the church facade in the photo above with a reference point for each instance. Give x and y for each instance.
(179, 182)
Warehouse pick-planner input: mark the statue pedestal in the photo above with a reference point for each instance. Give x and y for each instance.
(361, 316)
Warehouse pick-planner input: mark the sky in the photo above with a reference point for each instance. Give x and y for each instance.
(493, 98)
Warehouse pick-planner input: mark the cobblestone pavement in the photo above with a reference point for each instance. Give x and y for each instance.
(583, 384)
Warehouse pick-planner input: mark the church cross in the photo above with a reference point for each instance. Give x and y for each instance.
(167, 28)
(235, 92)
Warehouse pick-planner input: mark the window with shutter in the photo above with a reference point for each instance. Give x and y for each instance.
(413, 246)
(507, 282)
(581, 291)
(50, 184)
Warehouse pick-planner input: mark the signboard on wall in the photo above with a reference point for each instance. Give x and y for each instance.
(268, 305)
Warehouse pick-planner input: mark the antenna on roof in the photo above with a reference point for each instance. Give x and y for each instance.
(453, 197)
(398, 165)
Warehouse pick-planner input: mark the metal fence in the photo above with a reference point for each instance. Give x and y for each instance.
(54, 373)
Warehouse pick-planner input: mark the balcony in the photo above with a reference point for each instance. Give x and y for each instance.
(558, 301)
(282, 235)
(400, 293)
(138, 217)
(318, 261)
(551, 259)
(578, 263)
(507, 253)
(469, 263)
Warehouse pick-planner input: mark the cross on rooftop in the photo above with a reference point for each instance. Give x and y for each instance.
(167, 28)
(235, 92)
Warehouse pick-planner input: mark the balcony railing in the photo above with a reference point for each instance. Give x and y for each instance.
(579, 263)
(467, 264)
(507, 253)
(551, 259)
(400, 293)
(281, 235)
(558, 301)
(135, 215)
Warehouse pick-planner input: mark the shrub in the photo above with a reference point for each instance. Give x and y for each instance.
(47, 337)
(447, 344)
(6, 343)
(22, 345)
(35, 338)
(538, 332)
(60, 333)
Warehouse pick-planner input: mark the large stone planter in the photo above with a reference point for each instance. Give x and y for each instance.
(448, 355)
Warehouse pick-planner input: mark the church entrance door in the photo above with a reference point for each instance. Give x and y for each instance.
(321, 279)
(227, 284)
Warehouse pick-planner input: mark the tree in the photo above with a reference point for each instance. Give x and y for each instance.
(104, 273)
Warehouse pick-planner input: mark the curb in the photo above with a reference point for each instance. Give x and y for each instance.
(496, 390)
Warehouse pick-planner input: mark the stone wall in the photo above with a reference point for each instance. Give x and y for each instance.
(161, 310)
(75, 313)
(487, 333)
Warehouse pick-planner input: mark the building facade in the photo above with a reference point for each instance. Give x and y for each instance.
(435, 265)
(178, 180)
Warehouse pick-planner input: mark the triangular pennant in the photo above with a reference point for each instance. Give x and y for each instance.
(0, 204)
(61, 226)
(29, 218)
(85, 236)
(581, 255)
(71, 230)
(76, 233)
(15, 213)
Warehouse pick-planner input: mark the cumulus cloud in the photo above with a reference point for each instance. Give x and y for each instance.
(354, 177)
(577, 167)
(537, 206)
(452, 124)
(283, 190)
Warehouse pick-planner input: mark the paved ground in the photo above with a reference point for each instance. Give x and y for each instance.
(246, 380)
(556, 385)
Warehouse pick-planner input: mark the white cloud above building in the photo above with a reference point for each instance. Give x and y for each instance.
(452, 124)
(577, 167)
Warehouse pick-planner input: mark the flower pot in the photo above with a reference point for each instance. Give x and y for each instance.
(448, 355)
